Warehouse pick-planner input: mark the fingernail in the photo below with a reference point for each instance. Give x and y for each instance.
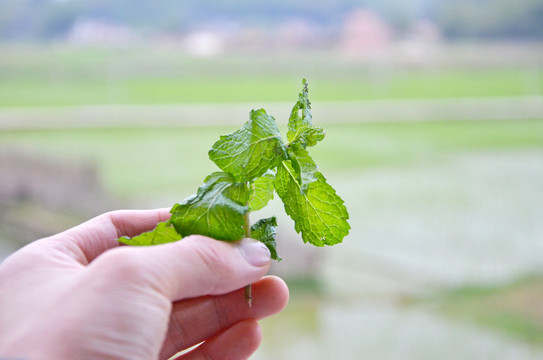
(255, 252)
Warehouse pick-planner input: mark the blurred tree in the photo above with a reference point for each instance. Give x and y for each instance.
(505, 19)
(50, 19)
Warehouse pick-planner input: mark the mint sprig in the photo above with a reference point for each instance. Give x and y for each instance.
(255, 163)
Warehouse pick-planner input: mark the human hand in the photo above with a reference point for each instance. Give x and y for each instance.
(79, 295)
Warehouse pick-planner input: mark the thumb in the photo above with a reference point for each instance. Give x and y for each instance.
(194, 266)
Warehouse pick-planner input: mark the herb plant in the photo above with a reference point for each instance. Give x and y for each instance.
(255, 163)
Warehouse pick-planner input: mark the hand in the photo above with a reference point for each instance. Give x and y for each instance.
(79, 295)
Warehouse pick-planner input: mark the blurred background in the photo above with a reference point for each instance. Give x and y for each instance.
(434, 117)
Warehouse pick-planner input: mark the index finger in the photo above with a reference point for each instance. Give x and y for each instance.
(195, 320)
(90, 239)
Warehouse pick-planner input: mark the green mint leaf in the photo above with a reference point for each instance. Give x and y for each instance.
(261, 191)
(319, 213)
(303, 165)
(216, 210)
(308, 136)
(163, 233)
(249, 152)
(264, 230)
(300, 123)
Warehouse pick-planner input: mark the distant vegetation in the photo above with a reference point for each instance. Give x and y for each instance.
(47, 19)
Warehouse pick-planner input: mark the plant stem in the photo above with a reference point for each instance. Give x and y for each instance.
(247, 229)
(247, 225)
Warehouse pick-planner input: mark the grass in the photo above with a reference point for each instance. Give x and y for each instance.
(65, 76)
(360, 146)
(59, 91)
(144, 162)
(133, 163)
(514, 308)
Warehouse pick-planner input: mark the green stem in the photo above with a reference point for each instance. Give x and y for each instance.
(247, 230)
(247, 225)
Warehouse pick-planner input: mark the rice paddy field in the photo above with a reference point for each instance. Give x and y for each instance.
(56, 75)
(445, 256)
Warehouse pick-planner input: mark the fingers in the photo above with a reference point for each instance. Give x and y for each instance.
(196, 320)
(134, 222)
(192, 267)
(90, 239)
(237, 342)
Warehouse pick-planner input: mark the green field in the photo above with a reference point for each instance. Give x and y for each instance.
(59, 76)
(133, 161)
(148, 161)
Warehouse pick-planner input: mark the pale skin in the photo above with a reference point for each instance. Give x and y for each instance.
(80, 295)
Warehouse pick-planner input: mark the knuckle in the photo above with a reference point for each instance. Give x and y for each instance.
(221, 313)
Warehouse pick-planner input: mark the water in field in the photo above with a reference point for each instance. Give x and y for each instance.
(463, 219)
(378, 329)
